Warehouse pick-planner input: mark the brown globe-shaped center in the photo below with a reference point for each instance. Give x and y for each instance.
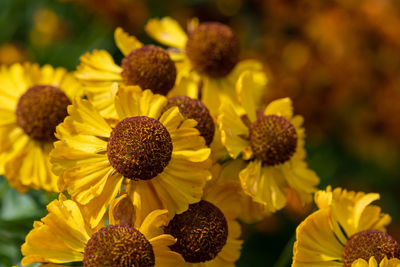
(273, 139)
(201, 232)
(139, 147)
(192, 108)
(368, 243)
(149, 67)
(213, 49)
(118, 246)
(40, 109)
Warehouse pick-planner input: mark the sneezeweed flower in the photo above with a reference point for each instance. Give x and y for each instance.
(271, 144)
(158, 156)
(208, 56)
(147, 66)
(208, 233)
(64, 236)
(347, 230)
(33, 101)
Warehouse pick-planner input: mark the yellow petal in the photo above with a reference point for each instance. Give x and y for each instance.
(145, 199)
(85, 119)
(125, 42)
(316, 243)
(244, 90)
(152, 226)
(60, 237)
(233, 131)
(97, 207)
(98, 67)
(162, 253)
(166, 31)
(281, 107)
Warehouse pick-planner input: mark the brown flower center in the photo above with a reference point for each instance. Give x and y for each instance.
(149, 67)
(192, 108)
(118, 246)
(213, 49)
(40, 109)
(139, 147)
(368, 243)
(273, 139)
(201, 232)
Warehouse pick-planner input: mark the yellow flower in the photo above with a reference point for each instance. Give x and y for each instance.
(206, 58)
(147, 66)
(146, 150)
(346, 231)
(270, 146)
(33, 101)
(63, 235)
(208, 233)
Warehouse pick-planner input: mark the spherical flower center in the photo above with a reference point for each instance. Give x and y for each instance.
(118, 246)
(213, 49)
(192, 108)
(368, 243)
(40, 109)
(201, 232)
(149, 67)
(139, 147)
(273, 139)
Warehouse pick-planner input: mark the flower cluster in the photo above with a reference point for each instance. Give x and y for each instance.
(157, 158)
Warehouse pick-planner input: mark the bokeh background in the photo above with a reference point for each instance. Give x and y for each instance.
(339, 60)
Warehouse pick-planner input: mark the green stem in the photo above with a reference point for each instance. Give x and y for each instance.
(285, 258)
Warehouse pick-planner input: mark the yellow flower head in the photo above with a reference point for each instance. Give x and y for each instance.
(149, 67)
(207, 233)
(64, 235)
(207, 59)
(346, 231)
(147, 150)
(33, 101)
(270, 144)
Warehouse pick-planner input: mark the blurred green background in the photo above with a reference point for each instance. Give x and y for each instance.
(338, 60)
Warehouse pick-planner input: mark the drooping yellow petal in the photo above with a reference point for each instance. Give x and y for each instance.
(166, 31)
(145, 199)
(302, 179)
(281, 107)
(125, 42)
(30, 167)
(233, 131)
(97, 207)
(263, 185)
(244, 90)
(178, 189)
(85, 119)
(163, 254)
(316, 243)
(152, 225)
(60, 237)
(98, 67)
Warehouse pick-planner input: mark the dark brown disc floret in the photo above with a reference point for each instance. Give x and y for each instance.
(201, 232)
(273, 139)
(213, 49)
(368, 243)
(149, 67)
(192, 108)
(139, 147)
(118, 246)
(40, 109)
